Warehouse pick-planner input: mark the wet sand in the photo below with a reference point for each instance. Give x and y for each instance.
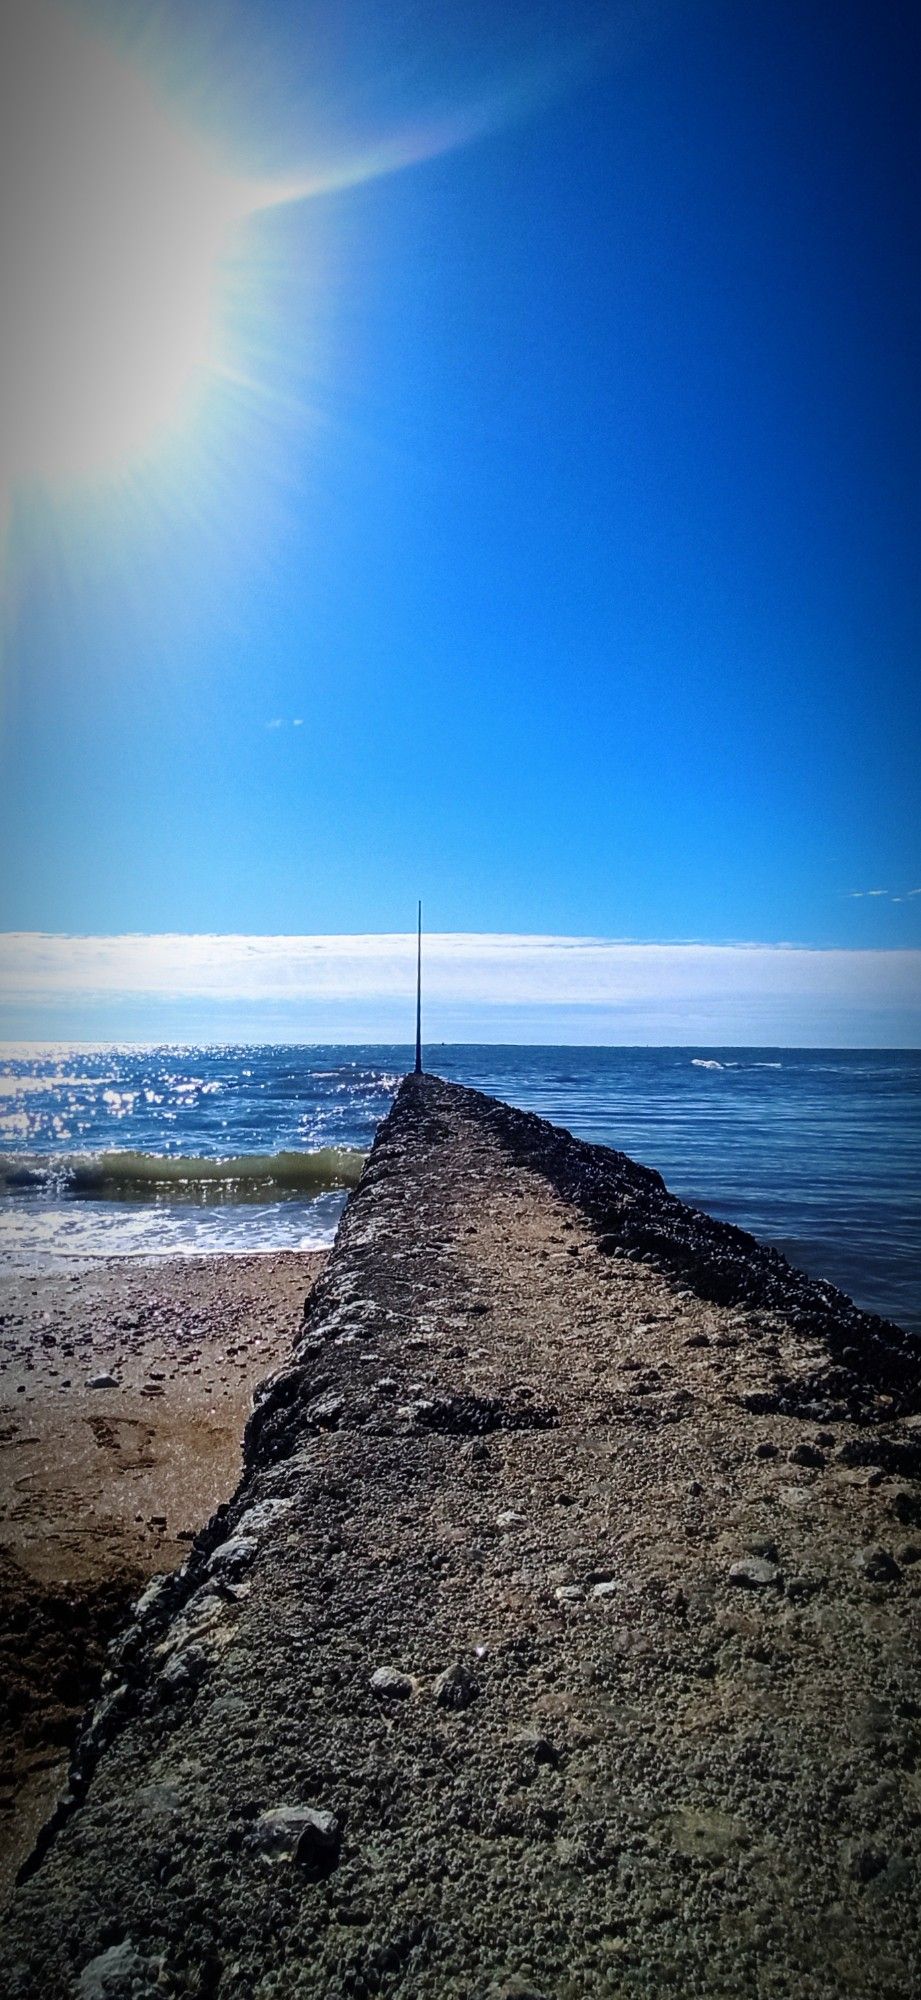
(103, 1487)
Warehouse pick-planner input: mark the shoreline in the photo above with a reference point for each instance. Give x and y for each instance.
(561, 1635)
(102, 1488)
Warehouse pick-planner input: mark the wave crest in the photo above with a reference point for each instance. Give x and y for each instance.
(132, 1176)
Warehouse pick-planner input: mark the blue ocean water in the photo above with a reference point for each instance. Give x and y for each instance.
(121, 1151)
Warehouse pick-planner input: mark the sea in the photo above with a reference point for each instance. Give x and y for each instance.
(184, 1151)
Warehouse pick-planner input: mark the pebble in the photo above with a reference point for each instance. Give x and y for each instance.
(103, 1381)
(154, 1594)
(111, 1973)
(538, 1746)
(297, 1833)
(232, 1557)
(877, 1566)
(456, 1687)
(184, 1670)
(806, 1454)
(326, 1410)
(569, 1593)
(606, 1589)
(390, 1684)
(754, 1571)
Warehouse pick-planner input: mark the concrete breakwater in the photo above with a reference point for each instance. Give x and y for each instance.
(561, 1638)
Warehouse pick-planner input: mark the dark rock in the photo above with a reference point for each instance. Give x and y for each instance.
(184, 1670)
(297, 1833)
(456, 1687)
(231, 1558)
(877, 1566)
(806, 1454)
(905, 1504)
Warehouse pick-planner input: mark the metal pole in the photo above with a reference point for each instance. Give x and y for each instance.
(419, 996)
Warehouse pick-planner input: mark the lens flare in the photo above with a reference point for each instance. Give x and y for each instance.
(118, 226)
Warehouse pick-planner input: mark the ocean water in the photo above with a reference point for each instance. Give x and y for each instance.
(123, 1151)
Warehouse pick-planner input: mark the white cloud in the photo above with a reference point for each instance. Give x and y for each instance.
(889, 895)
(477, 985)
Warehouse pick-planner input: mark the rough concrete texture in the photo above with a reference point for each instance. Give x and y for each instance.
(630, 1514)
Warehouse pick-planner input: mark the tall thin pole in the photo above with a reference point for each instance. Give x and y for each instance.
(419, 996)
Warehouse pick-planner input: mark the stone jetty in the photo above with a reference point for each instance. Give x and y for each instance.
(560, 1640)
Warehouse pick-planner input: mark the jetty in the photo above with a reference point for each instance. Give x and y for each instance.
(561, 1638)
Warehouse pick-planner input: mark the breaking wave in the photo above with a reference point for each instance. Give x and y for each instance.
(127, 1176)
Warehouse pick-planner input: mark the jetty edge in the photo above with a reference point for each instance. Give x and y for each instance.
(561, 1637)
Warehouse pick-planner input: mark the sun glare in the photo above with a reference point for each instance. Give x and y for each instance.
(115, 226)
(115, 221)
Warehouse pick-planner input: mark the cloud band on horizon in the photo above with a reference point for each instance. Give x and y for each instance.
(682, 991)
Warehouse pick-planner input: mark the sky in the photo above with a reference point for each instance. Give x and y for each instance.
(467, 452)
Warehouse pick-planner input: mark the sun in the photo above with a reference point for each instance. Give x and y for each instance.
(115, 225)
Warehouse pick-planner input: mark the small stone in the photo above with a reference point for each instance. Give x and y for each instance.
(910, 1552)
(608, 1588)
(538, 1746)
(232, 1557)
(297, 1833)
(569, 1593)
(456, 1687)
(508, 1518)
(799, 1588)
(755, 1572)
(326, 1411)
(390, 1684)
(184, 1670)
(476, 1452)
(111, 1974)
(102, 1381)
(154, 1595)
(867, 1862)
(806, 1454)
(877, 1566)
(765, 1449)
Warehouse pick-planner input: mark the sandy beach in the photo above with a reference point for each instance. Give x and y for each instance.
(102, 1487)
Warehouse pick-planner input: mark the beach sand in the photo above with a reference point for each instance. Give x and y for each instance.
(103, 1487)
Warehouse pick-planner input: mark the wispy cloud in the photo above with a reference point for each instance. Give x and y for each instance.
(888, 895)
(286, 722)
(477, 983)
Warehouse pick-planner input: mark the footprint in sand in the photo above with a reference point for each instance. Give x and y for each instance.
(138, 1439)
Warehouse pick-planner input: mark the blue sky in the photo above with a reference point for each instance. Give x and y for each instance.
(547, 540)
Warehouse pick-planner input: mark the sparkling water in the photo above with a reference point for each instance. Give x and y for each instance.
(153, 1151)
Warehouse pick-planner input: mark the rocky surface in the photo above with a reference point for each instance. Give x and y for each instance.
(560, 1640)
